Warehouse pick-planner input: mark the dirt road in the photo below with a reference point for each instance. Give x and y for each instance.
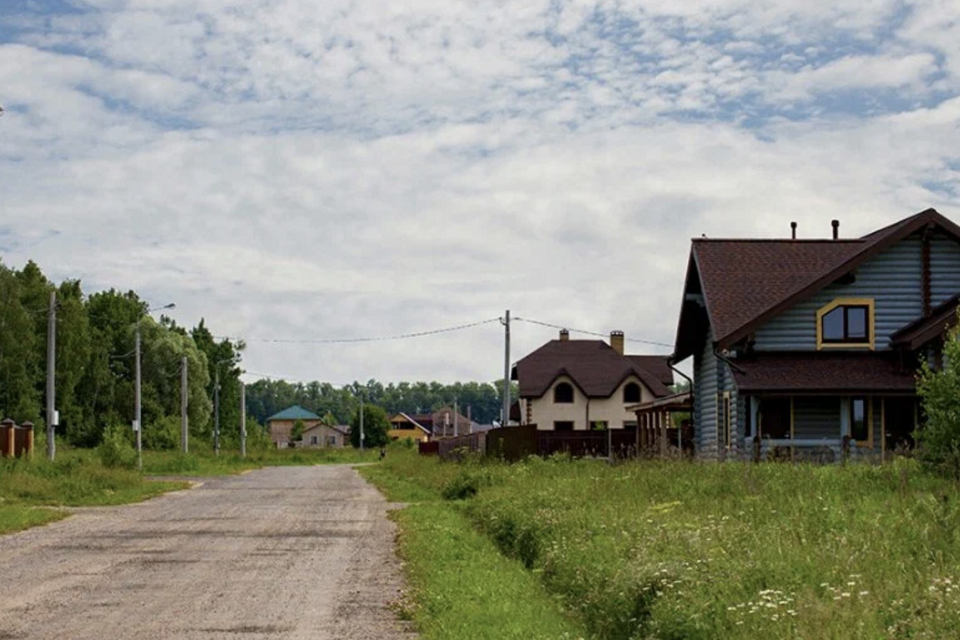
(283, 553)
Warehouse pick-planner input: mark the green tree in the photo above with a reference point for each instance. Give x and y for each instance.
(296, 434)
(939, 391)
(376, 424)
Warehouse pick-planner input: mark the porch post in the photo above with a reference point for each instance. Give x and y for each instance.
(663, 434)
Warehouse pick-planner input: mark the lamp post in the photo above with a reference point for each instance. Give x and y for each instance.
(138, 420)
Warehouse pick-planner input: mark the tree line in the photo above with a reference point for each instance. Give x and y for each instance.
(95, 363)
(267, 397)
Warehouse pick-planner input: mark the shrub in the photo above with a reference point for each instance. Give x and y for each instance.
(115, 451)
(940, 394)
(163, 435)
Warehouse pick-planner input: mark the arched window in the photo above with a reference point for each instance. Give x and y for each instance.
(631, 393)
(563, 393)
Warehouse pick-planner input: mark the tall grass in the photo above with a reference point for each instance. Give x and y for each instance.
(681, 550)
(203, 462)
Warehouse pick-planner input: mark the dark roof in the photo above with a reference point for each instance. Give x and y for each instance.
(658, 366)
(921, 331)
(296, 412)
(824, 373)
(747, 282)
(593, 366)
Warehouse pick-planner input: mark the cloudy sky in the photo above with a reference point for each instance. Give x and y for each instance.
(303, 170)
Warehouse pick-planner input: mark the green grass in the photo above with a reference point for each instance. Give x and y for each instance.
(204, 463)
(76, 478)
(16, 517)
(681, 550)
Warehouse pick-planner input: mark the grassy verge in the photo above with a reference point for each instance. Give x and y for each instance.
(204, 463)
(77, 478)
(719, 551)
(462, 588)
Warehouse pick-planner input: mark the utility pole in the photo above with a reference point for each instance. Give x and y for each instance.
(361, 422)
(470, 417)
(216, 411)
(505, 419)
(137, 423)
(184, 394)
(51, 377)
(243, 420)
(456, 419)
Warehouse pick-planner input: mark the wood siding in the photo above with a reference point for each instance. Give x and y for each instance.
(705, 400)
(944, 269)
(893, 279)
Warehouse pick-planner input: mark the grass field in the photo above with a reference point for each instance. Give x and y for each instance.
(678, 550)
(77, 478)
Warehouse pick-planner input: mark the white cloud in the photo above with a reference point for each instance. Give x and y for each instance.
(312, 170)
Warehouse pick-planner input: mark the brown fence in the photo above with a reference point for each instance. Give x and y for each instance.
(512, 443)
(454, 448)
(429, 448)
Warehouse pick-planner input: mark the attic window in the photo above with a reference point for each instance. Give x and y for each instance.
(845, 323)
(563, 393)
(631, 393)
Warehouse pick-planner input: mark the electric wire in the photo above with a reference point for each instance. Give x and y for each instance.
(591, 333)
(405, 336)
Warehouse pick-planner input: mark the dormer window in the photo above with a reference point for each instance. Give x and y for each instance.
(631, 393)
(846, 323)
(563, 393)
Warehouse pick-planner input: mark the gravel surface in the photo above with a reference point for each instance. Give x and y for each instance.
(291, 553)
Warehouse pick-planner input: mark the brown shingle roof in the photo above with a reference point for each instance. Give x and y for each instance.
(658, 366)
(747, 282)
(824, 373)
(593, 366)
(923, 330)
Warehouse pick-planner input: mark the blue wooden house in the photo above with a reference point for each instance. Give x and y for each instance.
(805, 346)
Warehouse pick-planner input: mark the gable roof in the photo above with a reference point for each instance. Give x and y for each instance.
(296, 412)
(412, 420)
(923, 330)
(593, 366)
(747, 282)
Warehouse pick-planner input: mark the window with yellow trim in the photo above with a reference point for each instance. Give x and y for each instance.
(846, 323)
(859, 421)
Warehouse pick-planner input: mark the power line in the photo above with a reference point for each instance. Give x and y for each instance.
(590, 333)
(406, 336)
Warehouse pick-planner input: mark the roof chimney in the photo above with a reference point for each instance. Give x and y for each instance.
(564, 335)
(616, 341)
(793, 228)
(836, 229)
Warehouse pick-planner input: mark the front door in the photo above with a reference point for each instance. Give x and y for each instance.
(900, 416)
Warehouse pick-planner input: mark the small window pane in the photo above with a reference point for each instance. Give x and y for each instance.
(833, 325)
(563, 393)
(857, 322)
(631, 393)
(858, 420)
(563, 426)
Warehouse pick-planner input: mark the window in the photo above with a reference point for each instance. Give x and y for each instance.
(846, 322)
(314, 440)
(859, 420)
(331, 441)
(563, 393)
(563, 426)
(631, 393)
(725, 420)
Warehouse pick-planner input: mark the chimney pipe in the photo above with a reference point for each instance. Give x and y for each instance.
(836, 229)
(793, 228)
(616, 341)
(564, 335)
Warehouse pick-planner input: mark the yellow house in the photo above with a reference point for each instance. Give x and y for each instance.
(403, 427)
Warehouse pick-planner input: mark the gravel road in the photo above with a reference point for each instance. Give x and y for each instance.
(281, 553)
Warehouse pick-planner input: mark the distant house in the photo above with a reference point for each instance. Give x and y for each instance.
(569, 385)
(280, 425)
(442, 423)
(326, 436)
(803, 346)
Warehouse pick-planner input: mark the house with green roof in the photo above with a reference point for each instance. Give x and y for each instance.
(280, 425)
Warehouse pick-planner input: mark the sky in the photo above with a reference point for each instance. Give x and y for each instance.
(306, 171)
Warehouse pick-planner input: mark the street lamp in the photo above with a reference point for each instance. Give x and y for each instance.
(138, 423)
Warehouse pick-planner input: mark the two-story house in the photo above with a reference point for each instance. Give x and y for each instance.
(569, 385)
(807, 343)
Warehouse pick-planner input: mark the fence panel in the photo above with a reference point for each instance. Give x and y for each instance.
(512, 443)
(578, 444)
(453, 448)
